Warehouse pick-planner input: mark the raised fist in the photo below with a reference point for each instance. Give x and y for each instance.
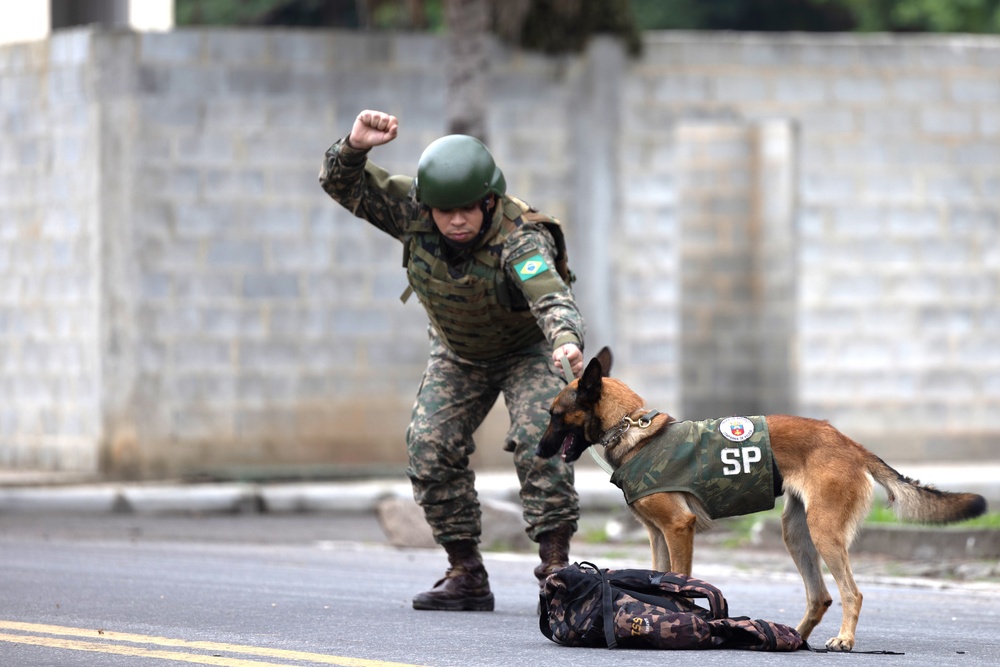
(372, 128)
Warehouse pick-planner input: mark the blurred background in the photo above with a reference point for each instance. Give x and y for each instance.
(771, 206)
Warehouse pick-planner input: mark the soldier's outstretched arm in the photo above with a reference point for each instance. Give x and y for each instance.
(530, 262)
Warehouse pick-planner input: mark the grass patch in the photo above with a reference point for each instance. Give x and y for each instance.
(879, 514)
(885, 515)
(595, 535)
(740, 528)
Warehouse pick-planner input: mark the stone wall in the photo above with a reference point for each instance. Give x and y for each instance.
(895, 270)
(50, 244)
(759, 223)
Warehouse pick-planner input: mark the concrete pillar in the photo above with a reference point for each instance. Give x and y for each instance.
(774, 271)
(69, 13)
(35, 20)
(594, 206)
(737, 203)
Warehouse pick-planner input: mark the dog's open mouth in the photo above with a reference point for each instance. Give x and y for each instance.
(567, 445)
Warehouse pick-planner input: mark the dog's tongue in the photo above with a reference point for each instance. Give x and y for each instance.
(567, 443)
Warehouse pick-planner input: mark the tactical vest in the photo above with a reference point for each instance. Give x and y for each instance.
(473, 308)
(730, 477)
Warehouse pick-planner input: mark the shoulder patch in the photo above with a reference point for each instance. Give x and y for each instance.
(736, 429)
(531, 267)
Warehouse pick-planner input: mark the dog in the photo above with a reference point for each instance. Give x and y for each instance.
(827, 484)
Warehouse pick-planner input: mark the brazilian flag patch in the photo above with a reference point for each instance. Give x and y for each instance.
(531, 267)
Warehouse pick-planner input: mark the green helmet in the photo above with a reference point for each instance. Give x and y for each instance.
(455, 171)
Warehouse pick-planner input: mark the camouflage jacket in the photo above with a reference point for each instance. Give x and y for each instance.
(515, 279)
(725, 463)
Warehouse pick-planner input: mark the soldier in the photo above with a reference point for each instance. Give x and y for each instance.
(492, 276)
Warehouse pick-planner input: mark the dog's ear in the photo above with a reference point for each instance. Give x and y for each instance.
(604, 358)
(588, 390)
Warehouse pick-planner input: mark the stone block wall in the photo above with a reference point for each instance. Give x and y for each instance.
(50, 241)
(895, 272)
(736, 256)
(177, 295)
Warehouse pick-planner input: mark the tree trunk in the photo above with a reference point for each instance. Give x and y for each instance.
(468, 66)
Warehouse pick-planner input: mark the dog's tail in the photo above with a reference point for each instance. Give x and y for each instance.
(921, 503)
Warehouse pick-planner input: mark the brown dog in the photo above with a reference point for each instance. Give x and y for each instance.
(822, 470)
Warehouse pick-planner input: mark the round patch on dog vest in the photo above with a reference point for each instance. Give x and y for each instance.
(736, 429)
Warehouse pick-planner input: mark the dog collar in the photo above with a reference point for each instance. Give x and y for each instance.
(613, 435)
(641, 422)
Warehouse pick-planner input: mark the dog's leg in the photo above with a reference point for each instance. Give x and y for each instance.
(678, 527)
(795, 533)
(668, 518)
(680, 542)
(658, 545)
(831, 528)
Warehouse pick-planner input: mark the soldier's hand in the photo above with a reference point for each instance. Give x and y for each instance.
(372, 128)
(573, 354)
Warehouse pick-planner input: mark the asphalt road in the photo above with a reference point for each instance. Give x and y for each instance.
(255, 590)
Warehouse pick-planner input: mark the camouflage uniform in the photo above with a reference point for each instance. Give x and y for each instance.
(473, 359)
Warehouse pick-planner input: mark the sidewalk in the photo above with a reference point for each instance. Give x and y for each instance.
(67, 492)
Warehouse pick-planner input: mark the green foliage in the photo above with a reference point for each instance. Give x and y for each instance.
(550, 26)
(215, 12)
(557, 26)
(973, 16)
(343, 13)
(952, 16)
(751, 15)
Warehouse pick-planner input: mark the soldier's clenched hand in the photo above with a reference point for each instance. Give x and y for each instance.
(372, 128)
(573, 354)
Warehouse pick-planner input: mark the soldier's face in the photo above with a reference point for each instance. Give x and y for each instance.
(459, 224)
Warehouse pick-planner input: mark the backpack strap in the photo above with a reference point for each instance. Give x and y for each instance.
(543, 616)
(692, 588)
(408, 292)
(607, 606)
(769, 636)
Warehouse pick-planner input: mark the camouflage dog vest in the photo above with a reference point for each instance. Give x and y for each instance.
(725, 463)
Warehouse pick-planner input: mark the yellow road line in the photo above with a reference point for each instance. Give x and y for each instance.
(101, 646)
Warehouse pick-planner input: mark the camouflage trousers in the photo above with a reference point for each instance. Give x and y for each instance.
(454, 398)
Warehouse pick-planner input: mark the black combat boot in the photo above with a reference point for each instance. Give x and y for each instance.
(553, 549)
(465, 586)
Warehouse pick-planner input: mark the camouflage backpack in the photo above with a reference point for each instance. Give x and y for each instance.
(582, 605)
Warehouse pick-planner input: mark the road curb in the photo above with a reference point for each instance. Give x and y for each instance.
(907, 542)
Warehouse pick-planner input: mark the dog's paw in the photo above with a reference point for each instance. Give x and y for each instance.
(843, 644)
